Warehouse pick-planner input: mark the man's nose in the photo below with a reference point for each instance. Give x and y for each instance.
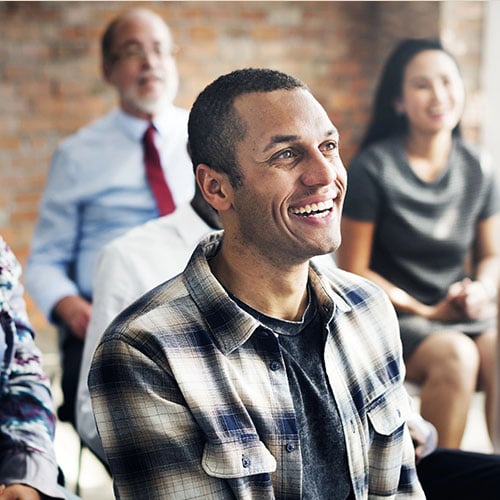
(321, 171)
(149, 57)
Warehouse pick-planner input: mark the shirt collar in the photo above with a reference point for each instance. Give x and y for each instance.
(136, 127)
(329, 295)
(230, 325)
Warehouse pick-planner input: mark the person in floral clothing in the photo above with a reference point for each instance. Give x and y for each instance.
(28, 467)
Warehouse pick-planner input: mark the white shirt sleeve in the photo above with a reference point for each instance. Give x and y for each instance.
(114, 289)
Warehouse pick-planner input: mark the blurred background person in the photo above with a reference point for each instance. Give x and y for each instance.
(129, 266)
(126, 168)
(28, 467)
(421, 219)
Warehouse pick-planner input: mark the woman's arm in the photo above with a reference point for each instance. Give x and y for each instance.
(488, 252)
(479, 296)
(354, 255)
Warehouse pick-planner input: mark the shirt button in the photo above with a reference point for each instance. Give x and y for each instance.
(275, 365)
(290, 447)
(245, 461)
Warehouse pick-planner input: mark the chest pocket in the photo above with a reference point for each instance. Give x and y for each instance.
(391, 452)
(386, 417)
(236, 460)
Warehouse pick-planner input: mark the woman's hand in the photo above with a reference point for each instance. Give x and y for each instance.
(447, 310)
(473, 298)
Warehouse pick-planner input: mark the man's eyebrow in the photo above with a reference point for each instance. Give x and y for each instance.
(278, 139)
(333, 132)
(128, 43)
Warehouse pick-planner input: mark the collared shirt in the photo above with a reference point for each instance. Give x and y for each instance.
(127, 267)
(27, 420)
(96, 190)
(192, 401)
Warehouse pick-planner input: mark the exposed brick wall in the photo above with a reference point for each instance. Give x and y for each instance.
(461, 26)
(50, 81)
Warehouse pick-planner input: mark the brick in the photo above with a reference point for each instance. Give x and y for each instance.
(9, 142)
(50, 81)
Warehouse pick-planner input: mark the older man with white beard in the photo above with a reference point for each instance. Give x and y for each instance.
(100, 182)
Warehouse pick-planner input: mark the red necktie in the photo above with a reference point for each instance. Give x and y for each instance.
(154, 174)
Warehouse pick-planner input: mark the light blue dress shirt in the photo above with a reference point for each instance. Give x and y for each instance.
(96, 190)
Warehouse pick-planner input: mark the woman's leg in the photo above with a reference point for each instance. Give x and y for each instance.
(446, 366)
(486, 345)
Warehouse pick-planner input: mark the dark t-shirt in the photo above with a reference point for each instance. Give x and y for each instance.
(424, 230)
(324, 455)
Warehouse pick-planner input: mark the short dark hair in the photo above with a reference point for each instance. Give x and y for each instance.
(215, 127)
(107, 40)
(385, 121)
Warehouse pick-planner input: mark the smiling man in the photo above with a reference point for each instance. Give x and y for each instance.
(253, 375)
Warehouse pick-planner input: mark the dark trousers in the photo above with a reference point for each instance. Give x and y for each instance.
(71, 350)
(460, 475)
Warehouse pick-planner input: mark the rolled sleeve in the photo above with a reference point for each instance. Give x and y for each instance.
(54, 241)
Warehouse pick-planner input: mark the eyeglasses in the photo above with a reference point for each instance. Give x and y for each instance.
(139, 53)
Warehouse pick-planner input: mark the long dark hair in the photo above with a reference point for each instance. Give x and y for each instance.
(384, 120)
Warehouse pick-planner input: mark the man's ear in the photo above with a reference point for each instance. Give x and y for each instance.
(215, 187)
(106, 68)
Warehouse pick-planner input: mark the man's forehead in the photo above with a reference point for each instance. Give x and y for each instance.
(272, 97)
(284, 109)
(141, 23)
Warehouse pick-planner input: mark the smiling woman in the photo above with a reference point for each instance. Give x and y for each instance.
(420, 202)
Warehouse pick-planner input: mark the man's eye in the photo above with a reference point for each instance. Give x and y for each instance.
(285, 155)
(330, 147)
(133, 52)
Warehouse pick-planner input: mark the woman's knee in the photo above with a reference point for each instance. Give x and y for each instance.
(448, 355)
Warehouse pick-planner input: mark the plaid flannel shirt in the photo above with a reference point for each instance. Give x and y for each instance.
(191, 397)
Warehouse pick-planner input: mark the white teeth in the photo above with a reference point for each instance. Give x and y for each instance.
(313, 207)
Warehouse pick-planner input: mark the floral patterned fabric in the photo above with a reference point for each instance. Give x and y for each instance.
(27, 420)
